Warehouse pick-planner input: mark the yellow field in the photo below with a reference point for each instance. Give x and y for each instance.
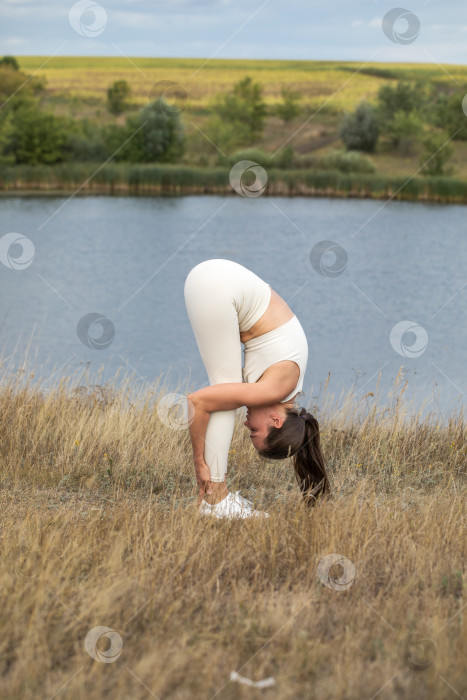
(100, 529)
(346, 82)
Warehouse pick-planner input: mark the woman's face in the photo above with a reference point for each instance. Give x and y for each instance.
(260, 418)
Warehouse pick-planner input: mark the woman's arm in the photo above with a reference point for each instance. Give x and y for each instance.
(228, 396)
(197, 428)
(225, 397)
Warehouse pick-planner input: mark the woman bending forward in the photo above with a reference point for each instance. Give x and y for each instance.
(228, 305)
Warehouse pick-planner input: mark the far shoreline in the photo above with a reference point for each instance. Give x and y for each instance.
(130, 179)
(182, 192)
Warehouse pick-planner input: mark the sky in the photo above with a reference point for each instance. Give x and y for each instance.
(422, 31)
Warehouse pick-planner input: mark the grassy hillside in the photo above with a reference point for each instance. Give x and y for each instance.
(76, 87)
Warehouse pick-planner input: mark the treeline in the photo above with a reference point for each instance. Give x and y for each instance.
(30, 135)
(406, 116)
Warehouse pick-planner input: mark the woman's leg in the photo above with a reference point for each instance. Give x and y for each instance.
(210, 303)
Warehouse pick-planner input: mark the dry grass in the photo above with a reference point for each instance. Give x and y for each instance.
(99, 527)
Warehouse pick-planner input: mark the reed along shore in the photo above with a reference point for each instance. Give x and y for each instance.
(129, 179)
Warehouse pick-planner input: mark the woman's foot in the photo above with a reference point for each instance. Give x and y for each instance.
(232, 506)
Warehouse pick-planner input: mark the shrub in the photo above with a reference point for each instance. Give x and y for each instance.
(347, 162)
(85, 142)
(6, 132)
(155, 134)
(37, 137)
(359, 131)
(245, 106)
(9, 61)
(239, 116)
(448, 114)
(436, 154)
(405, 97)
(289, 108)
(16, 87)
(283, 159)
(117, 95)
(254, 154)
(307, 161)
(403, 130)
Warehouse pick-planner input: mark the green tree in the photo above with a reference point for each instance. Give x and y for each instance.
(155, 134)
(449, 114)
(117, 96)
(37, 137)
(359, 131)
(6, 133)
(289, 108)
(86, 141)
(405, 97)
(16, 87)
(239, 116)
(437, 152)
(9, 61)
(404, 129)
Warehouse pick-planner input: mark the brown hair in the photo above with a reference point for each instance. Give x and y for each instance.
(299, 438)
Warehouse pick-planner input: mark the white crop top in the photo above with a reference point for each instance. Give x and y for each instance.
(287, 342)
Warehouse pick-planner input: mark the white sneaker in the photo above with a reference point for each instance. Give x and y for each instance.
(232, 506)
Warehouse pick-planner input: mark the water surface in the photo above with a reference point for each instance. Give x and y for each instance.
(127, 258)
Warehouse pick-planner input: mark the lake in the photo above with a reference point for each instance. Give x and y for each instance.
(377, 286)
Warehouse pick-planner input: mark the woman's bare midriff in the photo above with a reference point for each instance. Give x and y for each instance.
(277, 313)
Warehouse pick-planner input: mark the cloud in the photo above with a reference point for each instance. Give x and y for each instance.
(148, 6)
(139, 20)
(14, 41)
(298, 29)
(418, 52)
(13, 11)
(438, 27)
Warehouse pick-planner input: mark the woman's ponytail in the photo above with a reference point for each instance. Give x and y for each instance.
(299, 438)
(308, 462)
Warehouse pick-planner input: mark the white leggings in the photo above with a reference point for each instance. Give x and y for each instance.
(222, 298)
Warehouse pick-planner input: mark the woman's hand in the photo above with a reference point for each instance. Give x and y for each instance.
(203, 477)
